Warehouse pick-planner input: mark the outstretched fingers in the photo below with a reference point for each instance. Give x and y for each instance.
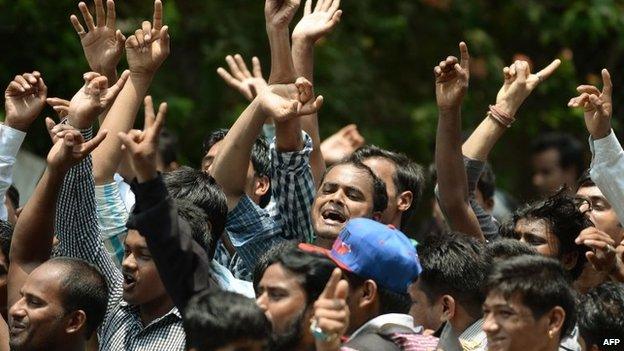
(607, 86)
(86, 15)
(549, 70)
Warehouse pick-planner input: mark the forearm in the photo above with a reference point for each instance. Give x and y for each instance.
(231, 164)
(606, 169)
(288, 135)
(120, 118)
(483, 139)
(303, 59)
(282, 67)
(452, 181)
(32, 238)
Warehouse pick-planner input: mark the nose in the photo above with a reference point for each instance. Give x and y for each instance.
(261, 301)
(489, 324)
(538, 180)
(129, 263)
(17, 311)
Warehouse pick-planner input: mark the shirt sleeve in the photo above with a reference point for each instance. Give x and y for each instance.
(183, 265)
(489, 225)
(293, 190)
(77, 227)
(10, 143)
(607, 167)
(112, 217)
(252, 231)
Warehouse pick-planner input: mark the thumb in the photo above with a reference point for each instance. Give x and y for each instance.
(342, 290)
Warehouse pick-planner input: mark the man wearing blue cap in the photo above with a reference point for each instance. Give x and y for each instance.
(379, 262)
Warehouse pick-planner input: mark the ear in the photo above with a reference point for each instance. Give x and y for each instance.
(448, 307)
(569, 260)
(376, 216)
(369, 294)
(556, 317)
(261, 185)
(489, 204)
(404, 201)
(172, 166)
(76, 321)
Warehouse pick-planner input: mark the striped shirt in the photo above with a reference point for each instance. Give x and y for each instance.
(79, 235)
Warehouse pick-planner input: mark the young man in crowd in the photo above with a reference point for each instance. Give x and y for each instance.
(601, 317)
(404, 180)
(557, 161)
(447, 296)
(378, 277)
(530, 305)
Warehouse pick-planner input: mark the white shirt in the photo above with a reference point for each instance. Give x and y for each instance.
(10, 143)
(607, 170)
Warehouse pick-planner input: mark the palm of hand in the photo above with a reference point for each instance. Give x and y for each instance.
(85, 107)
(313, 26)
(251, 86)
(149, 60)
(101, 49)
(279, 101)
(20, 106)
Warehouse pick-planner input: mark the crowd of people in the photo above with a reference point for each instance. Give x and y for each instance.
(282, 242)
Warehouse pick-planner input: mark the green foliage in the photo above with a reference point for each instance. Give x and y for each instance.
(375, 70)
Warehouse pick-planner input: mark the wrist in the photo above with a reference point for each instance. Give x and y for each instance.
(302, 41)
(601, 133)
(141, 76)
(507, 108)
(445, 110)
(22, 127)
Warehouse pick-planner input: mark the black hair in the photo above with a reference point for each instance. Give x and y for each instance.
(540, 282)
(6, 234)
(380, 196)
(564, 219)
(585, 180)
(214, 319)
(569, 148)
(487, 182)
(13, 195)
(84, 288)
(457, 265)
(389, 301)
(601, 314)
(408, 175)
(312, 270)
(260, 157)
(198, 224)
(503, 249)
(203, 191)
(168, 146)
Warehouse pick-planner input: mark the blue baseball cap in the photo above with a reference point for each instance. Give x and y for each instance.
(376, 251)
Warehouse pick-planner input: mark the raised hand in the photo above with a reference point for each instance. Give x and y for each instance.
(24, 99)
(60, 106)
(93, 98)
(148, 48)
(283, 102)
(102, 43)
(451, 79)
(279, 13)
(598, 106)
(241, 79)
(314, 25)
(519, 83)
(142, 146)
(603, 255)
(69, 147)
(341, 144)
(331, 313)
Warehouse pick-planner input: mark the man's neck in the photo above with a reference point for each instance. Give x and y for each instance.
(462, 321)
(155, 309)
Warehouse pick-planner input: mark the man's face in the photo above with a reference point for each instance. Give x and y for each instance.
(548, 175)
(142, 284)
(424, 312)
(384, 169)
(37, 319)
(510, 325)
(537, 233)
(600, 212)
(283, 300)
(346, 192)
(252, 181)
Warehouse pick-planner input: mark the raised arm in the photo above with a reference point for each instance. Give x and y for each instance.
(33, 234)
(146, 50)
(24, 99)
(518, 85)
(451, 84)
(314, 25)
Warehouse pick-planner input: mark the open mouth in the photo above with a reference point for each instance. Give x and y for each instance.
(333, 216)
(129, 281)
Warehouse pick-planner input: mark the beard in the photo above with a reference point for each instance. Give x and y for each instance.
(288, 340)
